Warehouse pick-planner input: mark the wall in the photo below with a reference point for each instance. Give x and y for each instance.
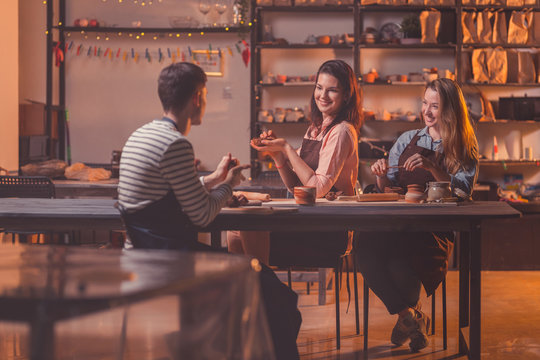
(9, 89)
(108, 99)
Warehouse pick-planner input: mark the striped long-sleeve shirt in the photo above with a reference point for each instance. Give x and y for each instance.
(156, 159)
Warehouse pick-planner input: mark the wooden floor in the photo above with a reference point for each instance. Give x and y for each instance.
(510, 323)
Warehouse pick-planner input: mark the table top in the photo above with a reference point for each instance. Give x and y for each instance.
(68, 279)
(25, 214)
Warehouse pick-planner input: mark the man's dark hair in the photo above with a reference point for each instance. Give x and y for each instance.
(177, 83)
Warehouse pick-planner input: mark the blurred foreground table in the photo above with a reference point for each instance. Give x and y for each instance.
(220, 309)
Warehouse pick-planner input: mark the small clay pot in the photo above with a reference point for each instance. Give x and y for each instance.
(305, 195)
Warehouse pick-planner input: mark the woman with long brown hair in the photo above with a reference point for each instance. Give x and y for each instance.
(396, 265)
(327, 160)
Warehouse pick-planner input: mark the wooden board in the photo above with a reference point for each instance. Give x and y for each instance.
(259, 210)
(378, 197)
(323, 202)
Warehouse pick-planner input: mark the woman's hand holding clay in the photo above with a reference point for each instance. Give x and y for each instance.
(380, 167)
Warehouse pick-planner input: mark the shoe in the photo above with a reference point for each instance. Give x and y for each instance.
(419, 339)
(403, 328)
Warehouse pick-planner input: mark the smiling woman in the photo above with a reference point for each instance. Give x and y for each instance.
(326, 161)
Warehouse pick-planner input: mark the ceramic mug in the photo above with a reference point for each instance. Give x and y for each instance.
(438, 190)
(415, 193)
(305, 195)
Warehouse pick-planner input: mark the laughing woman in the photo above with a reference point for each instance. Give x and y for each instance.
(396, 265)
(327, 160)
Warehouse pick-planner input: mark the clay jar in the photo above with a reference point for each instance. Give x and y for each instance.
(415, 193)
(438, 190)
(305, 195)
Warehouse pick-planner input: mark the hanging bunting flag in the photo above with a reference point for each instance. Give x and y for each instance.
(89, 51)
(124, 57)
(70, 45)
(110, 55)
(246, 55)
(99, 51)
(147, 55)
(178, 52)
(95, 51)
(79, 49)
(169, 52)
(219, 52)
(230, 51)
(106, 52)
(59, 54)
(189, 49)
(136, 57)
(132, 53)
(160, 54)
(118, 53)
(238, 48)
(183, 56)
(173, 58)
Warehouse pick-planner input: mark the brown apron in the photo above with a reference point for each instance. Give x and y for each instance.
(309, 249)
(427, 253)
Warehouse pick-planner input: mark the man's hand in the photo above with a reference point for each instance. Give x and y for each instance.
(235, 176)
(220, 174)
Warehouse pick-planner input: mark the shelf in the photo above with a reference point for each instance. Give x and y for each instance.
(148, 30)
(289, 84)
(260, 123)
(485, 162)
(394, 83)
(505, 46)
(323, 8)
(303, 46)
(513, 122)
(411, 46)
(503, 85)
(497, 7)
(390, 8)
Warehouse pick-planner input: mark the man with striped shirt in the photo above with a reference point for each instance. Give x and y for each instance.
(164, 202)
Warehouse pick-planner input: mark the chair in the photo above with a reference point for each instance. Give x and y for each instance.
(314, 253)
(26, 187)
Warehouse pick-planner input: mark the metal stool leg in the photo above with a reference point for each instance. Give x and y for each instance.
(432, 314)
(366, 315)
(355, 278)
(445, 329)
(336, 291)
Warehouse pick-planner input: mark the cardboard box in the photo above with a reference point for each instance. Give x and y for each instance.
(32, 120)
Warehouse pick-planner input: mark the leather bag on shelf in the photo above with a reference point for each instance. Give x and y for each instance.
(526, 72)
(497, 65)
(479, 65)
(483, 27)
(430, 22)
(468, 24)
(518, 27)
(534, 28)
(500, 32)
(521, 67)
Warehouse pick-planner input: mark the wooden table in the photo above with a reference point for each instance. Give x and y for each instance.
(42, 285)
(64, 214)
